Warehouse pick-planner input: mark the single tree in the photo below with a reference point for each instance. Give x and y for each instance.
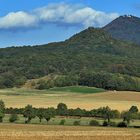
(49, 113)
(127, 116)
(40, 114)
(29, 113)
(62, 109)
(2, 110)
(107, 113)
(134, 109)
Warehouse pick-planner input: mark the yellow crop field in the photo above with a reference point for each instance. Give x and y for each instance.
(44, 132)
(121, 100)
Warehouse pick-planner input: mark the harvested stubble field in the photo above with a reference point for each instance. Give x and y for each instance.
(44, 132)
(120, 100)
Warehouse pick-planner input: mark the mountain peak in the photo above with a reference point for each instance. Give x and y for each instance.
(127, 16)
(126, 27)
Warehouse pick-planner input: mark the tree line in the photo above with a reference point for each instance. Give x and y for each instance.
(105, 113)
(103, 80)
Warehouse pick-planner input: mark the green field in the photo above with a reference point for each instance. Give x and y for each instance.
(78, 89)
(84, 121)
(70, 89)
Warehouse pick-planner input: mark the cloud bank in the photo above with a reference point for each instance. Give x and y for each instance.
(61, 14)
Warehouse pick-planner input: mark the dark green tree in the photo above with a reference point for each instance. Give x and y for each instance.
(40, 114)
(29, 113)
(134, 109)
(2, 110)
(78, 112)
(106, 113)
(62, 109)
(127, 116)
(49, 113)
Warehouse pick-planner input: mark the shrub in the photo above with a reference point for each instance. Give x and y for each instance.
(122, 124)
(112, 124)
(105, 123)
(76, 123)
(1, 119)
(94, 123)
(13, 118)
(62, 122)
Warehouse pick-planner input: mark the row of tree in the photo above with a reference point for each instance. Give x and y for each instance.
(105, 113)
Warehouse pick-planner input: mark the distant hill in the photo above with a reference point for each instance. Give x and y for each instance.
(91, 57)
(125, 27)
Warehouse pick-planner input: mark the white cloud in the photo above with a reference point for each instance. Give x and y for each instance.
(72, 14)
(62, 14)
(17, 20)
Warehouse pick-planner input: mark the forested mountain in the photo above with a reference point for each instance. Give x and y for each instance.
(89, 55)
(125, 27)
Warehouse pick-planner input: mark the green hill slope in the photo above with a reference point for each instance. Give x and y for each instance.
(90, 51)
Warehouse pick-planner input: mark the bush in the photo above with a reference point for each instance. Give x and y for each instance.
(112, 124)
(62, 122)
(105, 123)
(1, 119)
(122, 124)
(76, 123)
(94, 123)
(13, 118)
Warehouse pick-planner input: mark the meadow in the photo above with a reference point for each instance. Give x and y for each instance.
(83, 97)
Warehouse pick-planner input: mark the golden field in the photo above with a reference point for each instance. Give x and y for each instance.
(44, 132)
(121, 100)
(20, 97)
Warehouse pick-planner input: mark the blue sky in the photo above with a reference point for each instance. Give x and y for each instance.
(29, 22)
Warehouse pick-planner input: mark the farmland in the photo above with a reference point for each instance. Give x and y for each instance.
(83, 97)
(46, 132)
(73, 97)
